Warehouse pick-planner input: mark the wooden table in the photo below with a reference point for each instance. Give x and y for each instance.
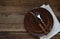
(12, 14)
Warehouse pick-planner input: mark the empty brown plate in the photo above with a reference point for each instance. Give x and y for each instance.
(33, 26)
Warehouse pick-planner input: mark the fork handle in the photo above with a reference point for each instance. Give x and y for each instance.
(45, 26)
(43, 29)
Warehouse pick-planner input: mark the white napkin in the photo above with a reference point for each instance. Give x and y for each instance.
(56, 24)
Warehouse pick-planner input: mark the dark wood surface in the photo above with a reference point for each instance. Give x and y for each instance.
(21, 35)
(12, 14)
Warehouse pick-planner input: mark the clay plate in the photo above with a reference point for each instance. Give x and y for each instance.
(32, 26)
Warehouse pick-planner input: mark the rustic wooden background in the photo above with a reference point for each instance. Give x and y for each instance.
(12, 14)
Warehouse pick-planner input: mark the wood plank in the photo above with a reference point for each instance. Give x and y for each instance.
(56, 36)
(13, 18)
(23, 6)
(17, 36)
(12, 23)
(19, 19)
(23, 10)
(7, 35)
(21, 35)
(21, 2)
(12, 27)
(54, 2)
(13, 9)
(55, 6)
(56, 10)
(46, 2)
(58, 18)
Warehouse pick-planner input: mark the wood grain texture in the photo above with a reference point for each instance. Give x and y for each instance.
(17, 19)
(7, 35)
(16, 30)
(55, 10)
(12, 27)
(17, 36)
(23, 6)
(21, 2)
(12, 14)
(13, 22)
(56, 36)
(23, 10)
(14, 9)
(55, 4)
